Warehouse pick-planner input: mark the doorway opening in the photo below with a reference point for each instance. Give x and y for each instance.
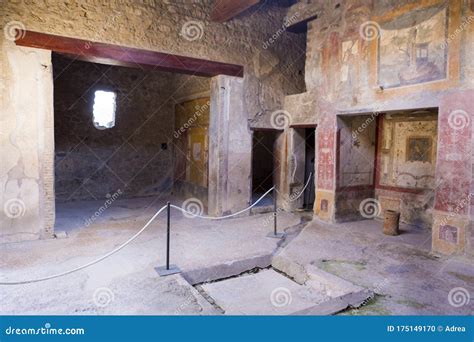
(304, 167)
(126, 140)
(263, 165)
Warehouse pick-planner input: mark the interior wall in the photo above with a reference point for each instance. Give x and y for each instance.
(406, 165)
(296, 167)
(230, 147)
(273, 67)
(27, 141)
(356, 156)
(272, 70)
(379, 56)
(191, 149)
(133, 158)
(301, 166)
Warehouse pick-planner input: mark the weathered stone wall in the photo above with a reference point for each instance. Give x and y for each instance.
(134, 156)
(272, 69)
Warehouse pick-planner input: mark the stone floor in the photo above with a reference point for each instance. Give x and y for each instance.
(316, 261)
(263, 293)
(407, 278)
(126, 283)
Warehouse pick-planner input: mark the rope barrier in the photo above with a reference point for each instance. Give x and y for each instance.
(89, 263)
(93, 262)
(302, 191)
(225, 216)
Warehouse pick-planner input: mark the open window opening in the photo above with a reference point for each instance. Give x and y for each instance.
(104, 109)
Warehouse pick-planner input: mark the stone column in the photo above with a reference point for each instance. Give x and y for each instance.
(230, 147)
(453, 173)
(27, 140)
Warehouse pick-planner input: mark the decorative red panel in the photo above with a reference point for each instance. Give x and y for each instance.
(454, 165)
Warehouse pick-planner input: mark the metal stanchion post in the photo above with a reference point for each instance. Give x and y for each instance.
(168, 269)
(274, 212)
(168, 212)
(275, 233)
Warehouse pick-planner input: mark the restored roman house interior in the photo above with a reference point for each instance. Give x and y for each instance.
(237, 157)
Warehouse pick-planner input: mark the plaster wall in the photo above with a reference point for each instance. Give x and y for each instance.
(344, 75)
(27, 143)
(356, 156)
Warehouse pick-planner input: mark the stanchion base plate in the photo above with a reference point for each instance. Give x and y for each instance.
(276, 236)
(162, 271)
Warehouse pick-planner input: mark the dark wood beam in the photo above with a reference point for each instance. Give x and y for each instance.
(125, 56)
(223, 10)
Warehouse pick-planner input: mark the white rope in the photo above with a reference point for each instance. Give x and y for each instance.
(93, 262)
(89, 263)
(225, 216)
(302, 191)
